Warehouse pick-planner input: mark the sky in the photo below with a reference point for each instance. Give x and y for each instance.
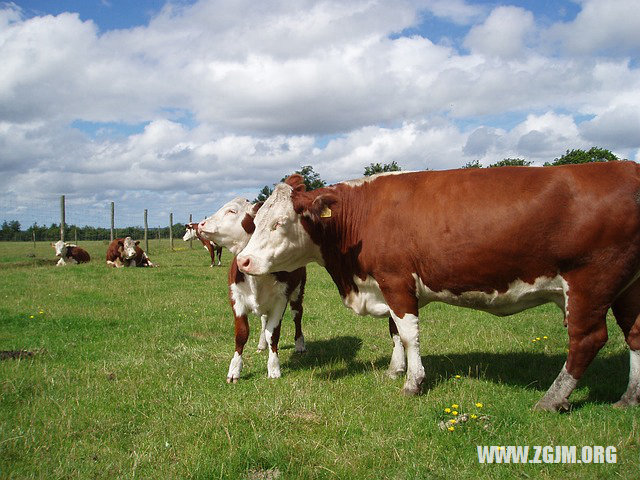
(181, 105)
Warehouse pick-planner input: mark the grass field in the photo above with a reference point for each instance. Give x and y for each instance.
(127, 380)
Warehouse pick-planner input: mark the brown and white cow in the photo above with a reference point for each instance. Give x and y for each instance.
(213, 249)
(265, 295)
(124, 252)
(500, 240)
(70, 253)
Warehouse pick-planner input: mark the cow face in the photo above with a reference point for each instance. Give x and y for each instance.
(280, 241)
(129, 248)
(191, 233)
(232, 225)
(59, 247)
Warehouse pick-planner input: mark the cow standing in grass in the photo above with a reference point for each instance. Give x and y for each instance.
(265, 295)
(213, 249)
(124, 252)
(500, 240)
(70, 253)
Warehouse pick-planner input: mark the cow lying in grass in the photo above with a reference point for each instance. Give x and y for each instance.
(266, 295)
(499, 240)
(69, 253)
(213, 249)
(124, 252)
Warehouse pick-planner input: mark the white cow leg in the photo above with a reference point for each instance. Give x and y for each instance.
(398, 363)
(632, 396)
(60, 263)
(262, 343)
(272, 335)
(409, 335)
(235, 368)
(557, 397)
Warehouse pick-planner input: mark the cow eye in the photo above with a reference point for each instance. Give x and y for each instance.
(276, 225)
(230, 211)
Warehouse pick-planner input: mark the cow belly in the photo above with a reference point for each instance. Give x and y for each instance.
(518, 297)
(368, 300)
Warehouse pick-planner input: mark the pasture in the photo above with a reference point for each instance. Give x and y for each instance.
(126, 379)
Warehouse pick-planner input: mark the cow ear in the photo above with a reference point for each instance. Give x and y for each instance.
(137, 242)
(321, 207)
(255, 208)
(296, 181)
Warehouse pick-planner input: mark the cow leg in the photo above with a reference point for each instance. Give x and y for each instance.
(60, 263)
(398, 363)
(587, 335)
(272, 335)
(626, 309)
(262, 343)
(242, 334)
(296, 311)
(408, 331)
(219, 254)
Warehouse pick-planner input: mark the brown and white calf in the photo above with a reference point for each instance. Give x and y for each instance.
(70, 253)
(124, 252)
(264, 295)
(213, 249)
(500, 240)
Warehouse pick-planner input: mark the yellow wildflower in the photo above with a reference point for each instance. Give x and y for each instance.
(458, 376)
(545, 337)
(31, 316)
(455, 405)
(454, 413)
(474, 416)
(453, 420)
(451, 429)
(479, 405)
(447, 410)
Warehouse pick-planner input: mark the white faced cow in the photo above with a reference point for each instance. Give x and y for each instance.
(211, 247)
(70, 253)
(500, 240)
(265, 295)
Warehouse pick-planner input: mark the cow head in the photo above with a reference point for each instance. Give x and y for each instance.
(281, 240)
(232, 225)
(60, 247)
(191, 233)
(129, 248)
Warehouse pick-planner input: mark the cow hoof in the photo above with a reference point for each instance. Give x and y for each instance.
(261, 349)
(232, 380)
(274, 374)
(546, 406)
(411, 391)
(394, 374)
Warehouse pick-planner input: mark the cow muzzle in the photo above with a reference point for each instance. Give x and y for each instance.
(250, 265)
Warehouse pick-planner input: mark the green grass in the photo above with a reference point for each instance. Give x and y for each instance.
(127, 380)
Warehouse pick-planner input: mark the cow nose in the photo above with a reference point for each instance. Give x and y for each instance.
(244, 263)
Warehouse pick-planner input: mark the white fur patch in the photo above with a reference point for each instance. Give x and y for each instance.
(258, 295)
(356, 182)
(518, 297)
(368, 300)
(235, 367)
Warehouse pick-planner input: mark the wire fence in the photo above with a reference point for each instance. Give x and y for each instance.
(80, 220)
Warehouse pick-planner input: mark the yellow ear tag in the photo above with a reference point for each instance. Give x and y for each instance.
(326, 212)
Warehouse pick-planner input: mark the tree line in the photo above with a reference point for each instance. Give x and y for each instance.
(12, 231)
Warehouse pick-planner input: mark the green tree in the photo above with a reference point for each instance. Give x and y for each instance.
(511, 162)
(374, 168)
(472, 164)
(594, 154)
(264, 194)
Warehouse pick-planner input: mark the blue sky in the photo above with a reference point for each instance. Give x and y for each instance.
(180, 106)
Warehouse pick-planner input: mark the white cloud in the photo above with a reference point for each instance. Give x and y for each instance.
(503, 34)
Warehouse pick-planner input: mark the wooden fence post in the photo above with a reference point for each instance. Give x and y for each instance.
(112, 219)
(62, 217)
(171, 231)
(191, 239)
(146, 232)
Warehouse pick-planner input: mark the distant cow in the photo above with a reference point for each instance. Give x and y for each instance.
(212, 247)
(266, 295)
(500, 240)
(124, 252)
(70, 253)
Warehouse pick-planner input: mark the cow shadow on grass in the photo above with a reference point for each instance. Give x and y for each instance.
(338, 353)
(606, 378)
